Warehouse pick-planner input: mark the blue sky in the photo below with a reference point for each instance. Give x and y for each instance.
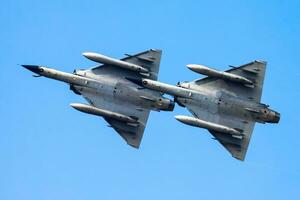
(48, 150)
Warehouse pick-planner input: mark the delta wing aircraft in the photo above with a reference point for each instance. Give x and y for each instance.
(226, 103)
(110, 93)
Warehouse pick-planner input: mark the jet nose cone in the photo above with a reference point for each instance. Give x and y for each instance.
(34, 68)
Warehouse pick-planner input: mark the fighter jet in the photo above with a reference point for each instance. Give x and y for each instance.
(110, 93)
(227, 104)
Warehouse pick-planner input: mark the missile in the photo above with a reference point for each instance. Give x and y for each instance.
(219, 74)
(112, 61)
(103, 113)
(192, 121)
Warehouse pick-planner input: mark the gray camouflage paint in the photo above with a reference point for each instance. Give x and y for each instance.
(224, 100)
(111, 94)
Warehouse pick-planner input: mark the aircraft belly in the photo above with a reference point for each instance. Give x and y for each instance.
(214, 109)
(201, 108)
(234, 108)
(124, 92)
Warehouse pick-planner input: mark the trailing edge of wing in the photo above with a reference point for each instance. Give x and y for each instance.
(237, 147)
(131, 134)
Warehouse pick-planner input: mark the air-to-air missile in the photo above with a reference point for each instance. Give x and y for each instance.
(111, 93)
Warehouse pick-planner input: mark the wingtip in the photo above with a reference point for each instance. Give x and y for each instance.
(156, 50)
(242, 159)
(135, 146)
(261, 61)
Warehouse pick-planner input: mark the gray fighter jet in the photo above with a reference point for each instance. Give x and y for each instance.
(226, 103)
(111, 93)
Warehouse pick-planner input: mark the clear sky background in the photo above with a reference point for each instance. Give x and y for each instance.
(50, 151)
